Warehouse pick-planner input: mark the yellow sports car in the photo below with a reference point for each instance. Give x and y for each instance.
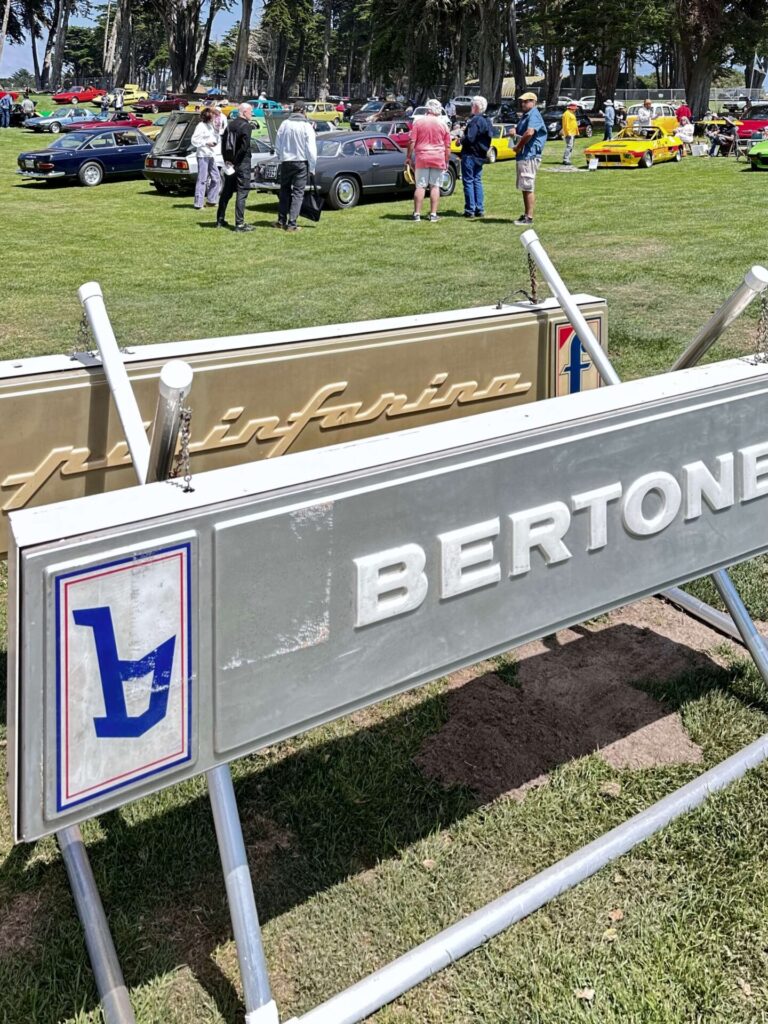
(153, 130)
(502, 143)
(636, 147)
(131, 94)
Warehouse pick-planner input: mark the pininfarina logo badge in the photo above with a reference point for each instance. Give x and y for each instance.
(124, 696)
(235, 430)
(574, 369)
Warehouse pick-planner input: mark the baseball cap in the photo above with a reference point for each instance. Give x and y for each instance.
(573, 106)
(529, 96)
(609, 103)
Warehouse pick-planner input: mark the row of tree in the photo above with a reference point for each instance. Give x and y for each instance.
(357, 46)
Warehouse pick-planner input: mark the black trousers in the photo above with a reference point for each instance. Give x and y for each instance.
(239, 182)
(294, 178)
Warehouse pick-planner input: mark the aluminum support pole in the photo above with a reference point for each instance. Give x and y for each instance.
(380, 988)
(175, 384)
(260, 1008)
(755, 281)
(91, 297)
(115, 1002)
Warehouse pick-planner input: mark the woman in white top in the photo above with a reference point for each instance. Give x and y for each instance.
(207, 143)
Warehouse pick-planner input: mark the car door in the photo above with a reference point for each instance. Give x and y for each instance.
(101, 148)
(127, 155)
(387, 162)
(401, 133)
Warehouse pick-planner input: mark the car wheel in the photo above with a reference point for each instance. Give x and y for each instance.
(646, 160)
(491, 155)
(75, 99)
(448, 186)
(345, 192)
(54, 127)
(155, 108)
(588, 132)
(678, 155)
(336, 122)
(90, 174)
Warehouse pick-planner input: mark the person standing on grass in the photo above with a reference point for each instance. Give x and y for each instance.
(207, 143)
(683, 111)
(474, 153)
(531, 136)
(119, 101)
(610, 120)
(6, 104)
(27, 108)
(236, 150)
(570, 131)
(429, 148)
(296, 148)
(105, 104)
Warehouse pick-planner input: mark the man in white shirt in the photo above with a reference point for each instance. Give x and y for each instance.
(296, 150)
(645, 115)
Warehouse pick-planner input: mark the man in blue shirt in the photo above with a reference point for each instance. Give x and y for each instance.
(531, 136)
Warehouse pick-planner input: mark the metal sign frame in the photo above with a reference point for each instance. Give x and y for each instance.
(388, 983)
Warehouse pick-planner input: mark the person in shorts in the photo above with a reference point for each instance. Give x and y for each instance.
(429, 149)
(531, 136)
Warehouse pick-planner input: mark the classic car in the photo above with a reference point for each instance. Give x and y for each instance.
(324, 127)
(18, 117)
(151, 131)
(88, 156)
(758, 156)
(14, 95)
(398, 131)
(422, 112)
(350, 166)
(753, 121)
(462, 105)
(159, 102)
(636, 147)
(131, 94)
(262, 107)
(502, 143)
(319, 110)
(553, 119)
(59, 119)
(171, 166)
(377, 110)
(120, 119)
(662, 116)
(78, 94)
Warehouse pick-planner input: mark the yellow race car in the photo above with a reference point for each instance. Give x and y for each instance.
(502, 143)
(636, 147)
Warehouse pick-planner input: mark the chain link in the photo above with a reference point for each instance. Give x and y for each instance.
(181, 466)
(534, 280)
(82, 338)
(761, 334)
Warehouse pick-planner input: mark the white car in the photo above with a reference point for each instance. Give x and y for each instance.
(422, 112)
(587, 102)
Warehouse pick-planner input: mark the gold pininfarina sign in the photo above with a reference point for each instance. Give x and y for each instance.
(263, 395)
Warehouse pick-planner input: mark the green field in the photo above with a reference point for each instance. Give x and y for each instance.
(356, 854)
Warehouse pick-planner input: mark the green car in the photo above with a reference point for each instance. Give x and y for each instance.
(758, 156)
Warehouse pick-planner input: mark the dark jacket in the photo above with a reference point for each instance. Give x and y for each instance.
(477, 137)
(236, 144)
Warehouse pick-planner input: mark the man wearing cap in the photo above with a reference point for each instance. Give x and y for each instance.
(531, 136)
(570, 131)
(610, 120)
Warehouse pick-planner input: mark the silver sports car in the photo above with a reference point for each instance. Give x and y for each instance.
(53, 122)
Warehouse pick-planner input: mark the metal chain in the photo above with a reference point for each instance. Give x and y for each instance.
(534, 280)
(82, 338)
(761, 334)
(181, 465)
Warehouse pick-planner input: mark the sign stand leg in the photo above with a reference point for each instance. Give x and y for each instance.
(115, 1003)
(151, 462)
(260, 1007)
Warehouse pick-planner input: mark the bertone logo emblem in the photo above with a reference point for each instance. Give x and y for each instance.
(232, 432)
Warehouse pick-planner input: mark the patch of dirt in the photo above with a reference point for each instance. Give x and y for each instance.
(263, 838)
(19, 924)
(573, 696)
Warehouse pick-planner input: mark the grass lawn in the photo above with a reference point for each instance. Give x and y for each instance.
(356, 854)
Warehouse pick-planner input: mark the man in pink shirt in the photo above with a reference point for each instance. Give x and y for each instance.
(431, 143)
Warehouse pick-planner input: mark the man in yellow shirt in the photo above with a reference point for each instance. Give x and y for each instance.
(570, 131)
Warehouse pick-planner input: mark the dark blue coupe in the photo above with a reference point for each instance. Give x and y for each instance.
(88, 155)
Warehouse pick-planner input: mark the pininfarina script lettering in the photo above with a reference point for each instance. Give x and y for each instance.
(232, 432)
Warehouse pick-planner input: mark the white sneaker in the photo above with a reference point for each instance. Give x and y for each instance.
(433, 217)
(416, 217)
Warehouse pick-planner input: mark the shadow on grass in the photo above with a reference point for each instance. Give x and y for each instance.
(315, 811)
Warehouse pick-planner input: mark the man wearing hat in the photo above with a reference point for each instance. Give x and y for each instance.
(531, 136)
(570, 131)
(610, 120)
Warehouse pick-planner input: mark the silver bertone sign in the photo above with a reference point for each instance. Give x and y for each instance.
(155, 634)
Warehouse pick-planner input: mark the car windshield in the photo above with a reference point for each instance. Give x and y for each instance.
(380, 128)
(370, 108)
(72, 141)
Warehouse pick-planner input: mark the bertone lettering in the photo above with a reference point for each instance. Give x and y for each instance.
(395, 581)
(232, 432)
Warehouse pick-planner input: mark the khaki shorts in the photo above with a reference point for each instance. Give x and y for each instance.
(427, 177)
(526, 173)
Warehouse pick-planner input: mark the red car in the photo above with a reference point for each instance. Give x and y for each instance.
(14, 95)
(159, 103)
(78, 94)
(757, 120)
(119, 120)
